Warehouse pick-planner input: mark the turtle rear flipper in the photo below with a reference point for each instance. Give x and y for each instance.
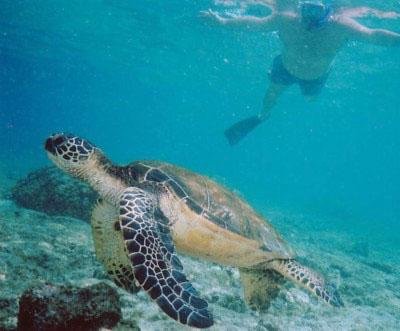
(156, 267)
(309, 279)
(260, 287)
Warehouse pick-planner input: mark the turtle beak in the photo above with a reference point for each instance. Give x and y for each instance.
(52, 142)
(49, 146)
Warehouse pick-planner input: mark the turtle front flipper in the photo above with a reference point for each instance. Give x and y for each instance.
(309, 279)
(110, 249)
(156, 267)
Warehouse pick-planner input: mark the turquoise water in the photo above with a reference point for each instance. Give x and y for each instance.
(154, 80)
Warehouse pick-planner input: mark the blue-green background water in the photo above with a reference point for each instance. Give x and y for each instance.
(154, 80)
(150, 79)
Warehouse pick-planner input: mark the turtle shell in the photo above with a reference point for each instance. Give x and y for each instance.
(213, 201)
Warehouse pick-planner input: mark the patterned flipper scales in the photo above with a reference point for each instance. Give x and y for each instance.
(156, 267)
(309, 279)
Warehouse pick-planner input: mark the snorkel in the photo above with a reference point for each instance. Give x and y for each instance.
(314, 14)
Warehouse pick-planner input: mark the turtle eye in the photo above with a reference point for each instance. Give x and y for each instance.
(59, 140)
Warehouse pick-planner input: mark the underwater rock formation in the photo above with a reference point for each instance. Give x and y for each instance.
(36, 248)
(49, 307)
(51, 191)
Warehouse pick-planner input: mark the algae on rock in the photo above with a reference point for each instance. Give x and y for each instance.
(52, 191)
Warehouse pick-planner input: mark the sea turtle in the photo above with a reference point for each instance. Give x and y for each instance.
(150, 208)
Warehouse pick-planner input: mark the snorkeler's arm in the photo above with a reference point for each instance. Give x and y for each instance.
(245, 20)
(361, 12)
(357, 31)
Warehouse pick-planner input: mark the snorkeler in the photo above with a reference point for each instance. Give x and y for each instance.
(311, 35)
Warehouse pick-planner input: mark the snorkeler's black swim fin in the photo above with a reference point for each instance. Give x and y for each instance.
(241, 129)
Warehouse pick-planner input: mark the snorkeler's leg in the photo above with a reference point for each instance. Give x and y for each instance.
(241, 129)
(272, 95)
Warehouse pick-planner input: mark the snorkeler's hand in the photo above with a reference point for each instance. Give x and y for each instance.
(214, 16)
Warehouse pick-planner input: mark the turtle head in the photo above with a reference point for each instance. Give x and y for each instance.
(73, 154)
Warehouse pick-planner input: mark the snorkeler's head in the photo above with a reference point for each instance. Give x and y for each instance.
(314, 14)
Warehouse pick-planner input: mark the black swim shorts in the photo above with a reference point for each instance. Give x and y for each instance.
(280, 75)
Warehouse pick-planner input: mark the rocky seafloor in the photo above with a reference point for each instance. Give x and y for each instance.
(37, 248)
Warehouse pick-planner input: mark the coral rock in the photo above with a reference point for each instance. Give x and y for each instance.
(48, 307)
(52, 191)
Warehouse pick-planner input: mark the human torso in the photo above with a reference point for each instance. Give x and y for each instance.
(308, 54)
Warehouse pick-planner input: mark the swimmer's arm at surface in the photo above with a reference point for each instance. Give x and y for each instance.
(246, 20)
(360, 12)
(357, 31)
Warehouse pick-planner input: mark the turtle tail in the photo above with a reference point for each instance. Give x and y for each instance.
(309, 279)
